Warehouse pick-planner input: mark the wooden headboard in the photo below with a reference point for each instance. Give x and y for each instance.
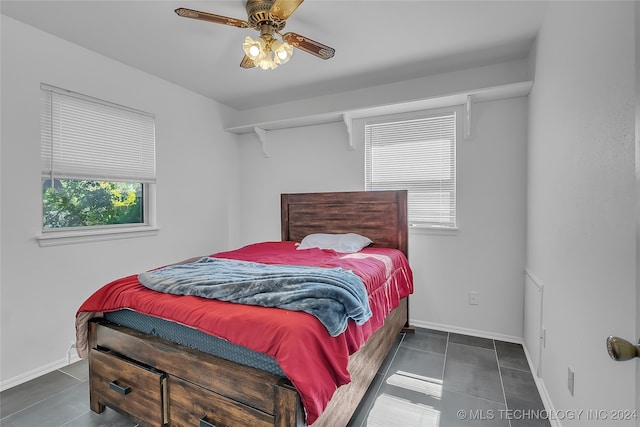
(379, 215)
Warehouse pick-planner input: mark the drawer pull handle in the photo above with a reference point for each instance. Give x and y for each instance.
(205, 423)
(122, 390)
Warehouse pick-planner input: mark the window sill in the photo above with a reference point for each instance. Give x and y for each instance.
(56, 238)
(438, 231)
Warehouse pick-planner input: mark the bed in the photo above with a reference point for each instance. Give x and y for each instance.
(162, 381)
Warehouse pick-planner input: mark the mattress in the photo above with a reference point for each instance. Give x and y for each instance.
(195, 339)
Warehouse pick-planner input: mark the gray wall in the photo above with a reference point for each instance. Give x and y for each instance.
(581, 205)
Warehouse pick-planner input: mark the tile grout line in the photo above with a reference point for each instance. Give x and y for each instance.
(73, 419)
(474, 346)
(495, 353)
(384, 375)
(444, 362)
(484, 399)
(83, 414)
(444, 365)
(74, 377)
(5, 418)
(517, 369)
(504, 394)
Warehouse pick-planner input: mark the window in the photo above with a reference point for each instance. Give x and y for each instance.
(419, 155)
(98, 163)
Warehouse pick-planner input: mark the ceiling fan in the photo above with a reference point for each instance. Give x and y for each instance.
(269, 17)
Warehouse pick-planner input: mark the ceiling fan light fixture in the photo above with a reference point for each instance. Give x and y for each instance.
(266, 64)
(266, 51)
(255, 49)
(282, 52)
(269, 18)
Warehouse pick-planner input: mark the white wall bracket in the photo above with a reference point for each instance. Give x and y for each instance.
(263, 137)
(348, 121)
(467, 118)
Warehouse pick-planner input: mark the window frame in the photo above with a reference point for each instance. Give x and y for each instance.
(87, 234)
(458, 110)
(80, 234)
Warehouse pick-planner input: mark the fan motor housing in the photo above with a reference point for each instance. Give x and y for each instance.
(259, 15)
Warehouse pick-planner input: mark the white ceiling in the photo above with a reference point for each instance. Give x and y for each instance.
(376, 41)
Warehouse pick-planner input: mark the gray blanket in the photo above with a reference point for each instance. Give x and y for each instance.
(333, 295)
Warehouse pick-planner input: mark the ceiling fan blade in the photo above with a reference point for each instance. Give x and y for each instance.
(309, 46)
(247, 62)
(218, 19)
(282, 9)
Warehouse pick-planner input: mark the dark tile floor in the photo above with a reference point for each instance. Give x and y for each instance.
(430, 379)
(439, 379)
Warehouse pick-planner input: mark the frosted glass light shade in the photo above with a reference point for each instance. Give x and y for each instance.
(282, 52)
(254, 49)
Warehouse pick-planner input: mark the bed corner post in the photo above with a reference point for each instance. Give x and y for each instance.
(403, 241)
(403, 222)
(288, 409)
(284, 217)
(94, 400)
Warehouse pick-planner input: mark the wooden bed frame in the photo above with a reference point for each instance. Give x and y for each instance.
(159, 382)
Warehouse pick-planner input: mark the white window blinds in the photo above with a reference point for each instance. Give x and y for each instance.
(85, 138)
(418, 155)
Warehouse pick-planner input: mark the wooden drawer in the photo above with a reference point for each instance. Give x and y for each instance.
(194, 406)
(127, 387)
(244, 384)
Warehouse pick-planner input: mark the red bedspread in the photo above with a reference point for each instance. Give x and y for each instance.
(314, 362)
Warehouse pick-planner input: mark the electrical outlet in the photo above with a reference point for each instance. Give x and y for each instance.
(70, 351)
(570, 380)
(474, 298)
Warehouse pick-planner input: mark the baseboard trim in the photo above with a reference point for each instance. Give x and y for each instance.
(466, 331)
(35, 373)
(542, 390)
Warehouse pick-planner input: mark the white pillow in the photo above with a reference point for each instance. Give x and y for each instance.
(347, 243)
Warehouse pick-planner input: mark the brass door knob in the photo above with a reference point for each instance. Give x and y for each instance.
(620, 349)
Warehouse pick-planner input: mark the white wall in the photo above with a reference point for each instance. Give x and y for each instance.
(486, 254)
(429, 87)
(302, 159)
(581, 206)
(42, 287)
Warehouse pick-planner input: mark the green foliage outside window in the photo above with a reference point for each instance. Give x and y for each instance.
(82, 203)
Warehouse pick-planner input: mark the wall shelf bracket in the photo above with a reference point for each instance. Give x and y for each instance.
(263, 137)
(467, 118)
(348, 121)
